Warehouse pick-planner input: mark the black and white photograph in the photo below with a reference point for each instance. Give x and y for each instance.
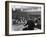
(25, 18)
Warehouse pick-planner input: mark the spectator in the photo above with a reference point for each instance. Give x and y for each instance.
(30, 24)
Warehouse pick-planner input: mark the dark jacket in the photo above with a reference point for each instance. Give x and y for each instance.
(30, 24)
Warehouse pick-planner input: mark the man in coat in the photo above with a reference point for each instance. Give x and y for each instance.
(30, 25)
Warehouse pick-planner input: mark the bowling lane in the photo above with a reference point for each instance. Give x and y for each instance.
(17, 27)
